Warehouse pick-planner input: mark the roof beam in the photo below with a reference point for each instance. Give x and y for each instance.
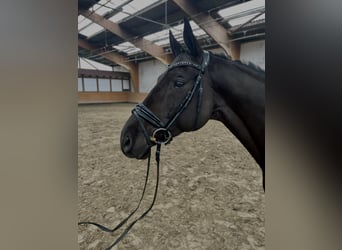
(112, 56)
(117, 58)
(141, 43)
(210, 26)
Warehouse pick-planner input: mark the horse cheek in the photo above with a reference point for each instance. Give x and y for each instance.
(206, 110)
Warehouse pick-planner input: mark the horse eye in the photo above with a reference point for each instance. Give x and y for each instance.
(179, 84)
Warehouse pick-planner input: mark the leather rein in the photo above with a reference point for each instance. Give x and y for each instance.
(161, 135)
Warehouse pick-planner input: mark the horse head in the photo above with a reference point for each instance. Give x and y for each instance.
(181, 100)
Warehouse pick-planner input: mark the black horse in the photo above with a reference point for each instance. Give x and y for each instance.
(199, 86)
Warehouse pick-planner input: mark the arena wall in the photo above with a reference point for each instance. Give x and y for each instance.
(106, 86)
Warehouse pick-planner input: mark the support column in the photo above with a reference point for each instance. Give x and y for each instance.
(235, 48)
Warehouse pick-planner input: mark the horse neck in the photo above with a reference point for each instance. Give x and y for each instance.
(239, 103)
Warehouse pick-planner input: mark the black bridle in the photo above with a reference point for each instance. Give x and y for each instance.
(161, 135)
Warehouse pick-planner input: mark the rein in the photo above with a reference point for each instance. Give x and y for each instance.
(161, 135)
(123, 234)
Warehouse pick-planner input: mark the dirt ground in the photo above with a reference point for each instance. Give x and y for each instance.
(210, 194)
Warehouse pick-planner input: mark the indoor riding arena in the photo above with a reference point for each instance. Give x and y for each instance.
(210, 193)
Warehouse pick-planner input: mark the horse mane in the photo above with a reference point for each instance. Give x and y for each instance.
(249, 67)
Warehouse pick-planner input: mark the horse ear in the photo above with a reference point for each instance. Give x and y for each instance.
(176, 47)
(190, 40)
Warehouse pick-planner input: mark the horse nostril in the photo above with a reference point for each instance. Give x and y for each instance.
(127, 143)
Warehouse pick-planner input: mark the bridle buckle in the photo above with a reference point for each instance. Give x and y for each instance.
(162, 136)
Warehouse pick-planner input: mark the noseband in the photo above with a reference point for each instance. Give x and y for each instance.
(162, 134)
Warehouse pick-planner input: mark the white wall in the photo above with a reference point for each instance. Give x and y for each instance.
(253, 52)
(149, 72)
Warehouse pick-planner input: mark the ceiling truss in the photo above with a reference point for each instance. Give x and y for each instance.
(121, 42)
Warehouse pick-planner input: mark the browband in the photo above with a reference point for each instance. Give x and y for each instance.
(184, 63)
